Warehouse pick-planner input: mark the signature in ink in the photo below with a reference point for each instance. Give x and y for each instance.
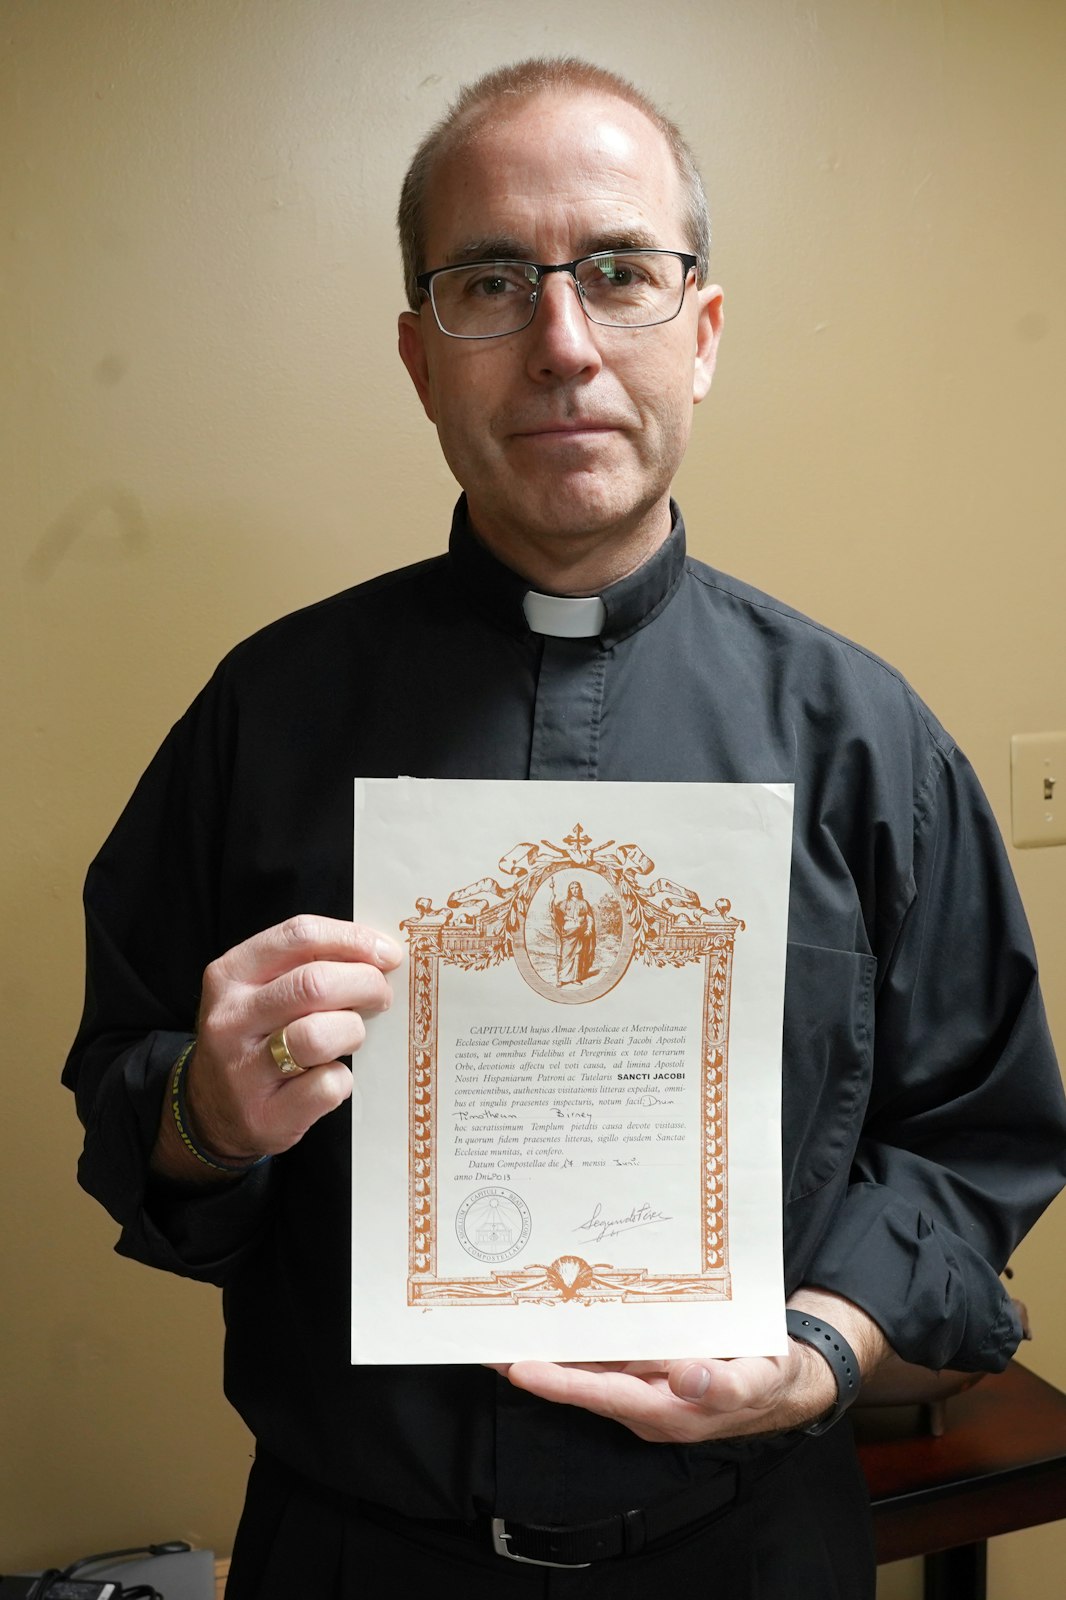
(601, 1227)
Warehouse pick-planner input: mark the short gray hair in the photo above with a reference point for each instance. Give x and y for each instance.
(523, 81)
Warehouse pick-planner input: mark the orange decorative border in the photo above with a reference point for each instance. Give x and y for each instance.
(476, 930)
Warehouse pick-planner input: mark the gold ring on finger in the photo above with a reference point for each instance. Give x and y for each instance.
(279, 1049)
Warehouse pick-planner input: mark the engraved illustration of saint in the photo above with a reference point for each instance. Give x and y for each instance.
(575, 930)
(575, 942)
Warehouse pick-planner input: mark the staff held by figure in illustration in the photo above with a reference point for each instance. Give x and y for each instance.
(575, 931)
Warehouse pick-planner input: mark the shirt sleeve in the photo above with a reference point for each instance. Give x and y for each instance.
(151, 927)
(963, 1143)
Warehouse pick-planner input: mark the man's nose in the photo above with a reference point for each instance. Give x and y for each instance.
(562, 342)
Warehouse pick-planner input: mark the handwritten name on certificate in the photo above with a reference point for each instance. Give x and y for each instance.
(566, 1130)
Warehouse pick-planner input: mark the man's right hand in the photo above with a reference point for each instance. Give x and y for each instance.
(316, 978)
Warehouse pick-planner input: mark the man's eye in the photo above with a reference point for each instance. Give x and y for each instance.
(609, 273)
(493, 285)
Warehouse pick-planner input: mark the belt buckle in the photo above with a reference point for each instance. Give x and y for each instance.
(500, 1537)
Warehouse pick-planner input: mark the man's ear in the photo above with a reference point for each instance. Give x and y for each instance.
(412, 347)
(708, 333)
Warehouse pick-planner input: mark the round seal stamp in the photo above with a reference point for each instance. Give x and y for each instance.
(493, 1224)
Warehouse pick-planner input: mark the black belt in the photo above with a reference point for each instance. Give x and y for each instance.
(625, 1533)
(578, 1545)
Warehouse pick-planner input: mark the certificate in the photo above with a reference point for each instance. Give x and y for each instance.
(566, 1130)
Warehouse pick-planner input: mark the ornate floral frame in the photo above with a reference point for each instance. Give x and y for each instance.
(477, 929)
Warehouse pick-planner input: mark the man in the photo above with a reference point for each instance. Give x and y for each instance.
(561, 329)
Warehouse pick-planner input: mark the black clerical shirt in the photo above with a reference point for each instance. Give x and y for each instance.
(923, 1121)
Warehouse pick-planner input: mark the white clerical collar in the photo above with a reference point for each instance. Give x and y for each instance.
(564, 616)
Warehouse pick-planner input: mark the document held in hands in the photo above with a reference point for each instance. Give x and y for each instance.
(566, 1130)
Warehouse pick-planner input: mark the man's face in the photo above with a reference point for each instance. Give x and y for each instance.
(567, 431)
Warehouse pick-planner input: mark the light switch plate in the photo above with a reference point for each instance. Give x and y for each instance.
(1038, 789)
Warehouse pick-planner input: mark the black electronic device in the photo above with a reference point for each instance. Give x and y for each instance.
(65, 1585)
(59, 1589)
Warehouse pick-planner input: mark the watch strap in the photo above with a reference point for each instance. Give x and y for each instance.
(831, 1344)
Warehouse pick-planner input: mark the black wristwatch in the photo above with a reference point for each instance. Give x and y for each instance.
(824, 1338)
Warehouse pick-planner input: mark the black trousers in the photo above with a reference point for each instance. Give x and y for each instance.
(801, 1532)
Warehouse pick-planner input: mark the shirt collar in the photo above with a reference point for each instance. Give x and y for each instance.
(564, 616)
(627, 605)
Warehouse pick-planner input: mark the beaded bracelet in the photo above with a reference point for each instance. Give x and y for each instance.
(179, 1107)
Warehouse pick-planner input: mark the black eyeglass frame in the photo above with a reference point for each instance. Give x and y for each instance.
(424, 282)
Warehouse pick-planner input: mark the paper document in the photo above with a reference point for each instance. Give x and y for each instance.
(566, 1131)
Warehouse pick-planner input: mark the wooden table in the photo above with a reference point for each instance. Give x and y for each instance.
(1000, 1466)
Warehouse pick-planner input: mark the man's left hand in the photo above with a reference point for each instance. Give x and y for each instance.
(684, 1402)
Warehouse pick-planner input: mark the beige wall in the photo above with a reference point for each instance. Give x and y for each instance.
(204, 424)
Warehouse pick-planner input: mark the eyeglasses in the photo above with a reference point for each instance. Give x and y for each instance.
(618, 289)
